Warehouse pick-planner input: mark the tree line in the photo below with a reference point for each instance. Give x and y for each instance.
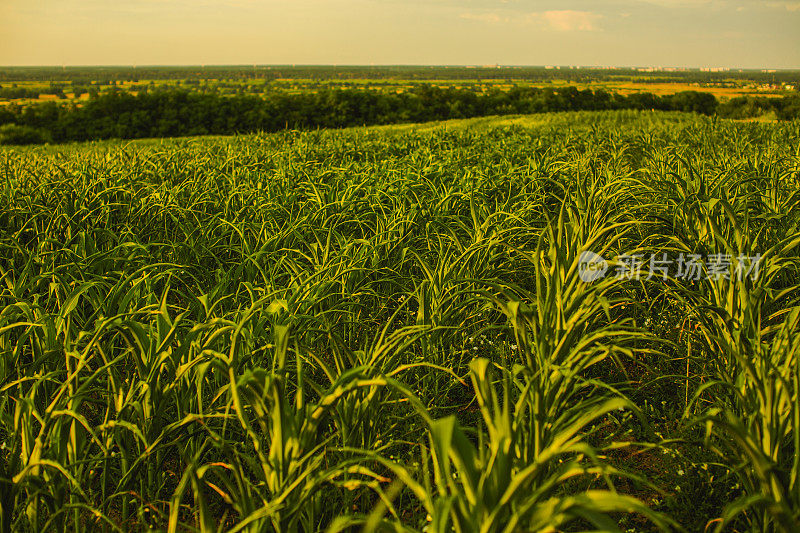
(85, 75)
(174, 113)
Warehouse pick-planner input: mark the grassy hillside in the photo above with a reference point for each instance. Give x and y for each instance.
(393, 328)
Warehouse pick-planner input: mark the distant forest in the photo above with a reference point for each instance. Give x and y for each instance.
(173, 113)
(389, 72)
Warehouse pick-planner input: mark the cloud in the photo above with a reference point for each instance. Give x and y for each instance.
(568, 20)
(492, 18)
(681, 3)
(789, 6)
(559, 20)
(695, 5)
(738, 5)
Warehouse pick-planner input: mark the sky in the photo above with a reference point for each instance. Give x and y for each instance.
(666, 33)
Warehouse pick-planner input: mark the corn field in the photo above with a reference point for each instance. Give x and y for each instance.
(387, 330)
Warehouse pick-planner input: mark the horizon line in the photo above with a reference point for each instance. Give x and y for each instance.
(715, 68)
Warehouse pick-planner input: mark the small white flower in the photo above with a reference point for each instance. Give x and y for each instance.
(513, 346)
